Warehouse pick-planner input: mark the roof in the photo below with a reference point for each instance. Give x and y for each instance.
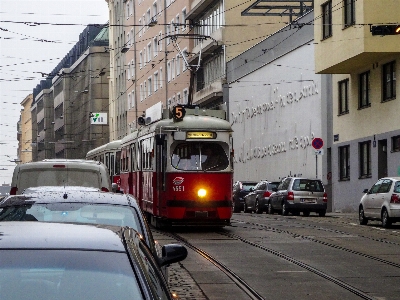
(38, 235)
(69, 194)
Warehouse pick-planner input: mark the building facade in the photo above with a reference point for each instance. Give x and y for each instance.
(366, 134)
(147, 64)
(25, 131)
(223, 33)
(64, 104)
(277, 106)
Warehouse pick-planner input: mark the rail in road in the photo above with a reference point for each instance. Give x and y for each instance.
(306, 229)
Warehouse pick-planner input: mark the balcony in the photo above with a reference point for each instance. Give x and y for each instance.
(208, 93)
(197, 8)
(208, 46)
(351, 48)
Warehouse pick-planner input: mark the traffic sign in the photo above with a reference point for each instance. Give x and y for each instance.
(317, 143)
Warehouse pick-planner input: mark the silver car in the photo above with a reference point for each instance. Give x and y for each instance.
(381, 202)
(295, 195)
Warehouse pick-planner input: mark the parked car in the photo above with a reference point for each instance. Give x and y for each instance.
(79, 205)
(381, 202)
(257, 199)
(295, 195)
(61, 172)
(74, 261)
(240, 190)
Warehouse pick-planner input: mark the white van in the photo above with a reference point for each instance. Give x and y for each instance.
(60, 172)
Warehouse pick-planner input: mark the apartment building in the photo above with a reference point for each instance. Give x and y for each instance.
(25, 131)
(223, 32)
(63, 103)
(147, 66)
(366, 134)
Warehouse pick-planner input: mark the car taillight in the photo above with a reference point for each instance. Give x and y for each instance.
(267, 193)
(290, 196)
(13, 190)
(104, 189)
(395, 198)
(325, 197)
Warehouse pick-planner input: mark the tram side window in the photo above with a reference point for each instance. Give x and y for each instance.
(117, 162)
(112, 164)
(132, 158)
(199, 156)
(147, 155)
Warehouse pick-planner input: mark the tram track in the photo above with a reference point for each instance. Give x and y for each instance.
(238, 281)
(246, 287)
(331, 245)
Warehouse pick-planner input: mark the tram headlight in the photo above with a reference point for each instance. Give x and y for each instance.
(201, 193)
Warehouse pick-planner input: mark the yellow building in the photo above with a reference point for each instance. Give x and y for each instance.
(25, 131)
(366, 132)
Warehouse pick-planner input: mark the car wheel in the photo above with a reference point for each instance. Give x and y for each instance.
(361, 217)
(322, 213)
(386, 222)
(257, 207)
(285, 211)
(306, 213)
(235, 208)
(271, 211)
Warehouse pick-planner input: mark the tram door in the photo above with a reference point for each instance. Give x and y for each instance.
(161, 165)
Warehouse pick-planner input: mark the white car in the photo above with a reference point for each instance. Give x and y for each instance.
(61, 172)
(381, 202)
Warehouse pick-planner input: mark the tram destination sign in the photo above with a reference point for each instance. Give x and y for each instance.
(200, 135)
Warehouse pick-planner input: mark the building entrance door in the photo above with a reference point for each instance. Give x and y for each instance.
(382, 158)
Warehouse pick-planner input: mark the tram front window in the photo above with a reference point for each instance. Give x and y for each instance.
(199, 156)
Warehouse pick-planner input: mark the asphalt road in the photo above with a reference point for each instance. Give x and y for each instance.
(292, 257)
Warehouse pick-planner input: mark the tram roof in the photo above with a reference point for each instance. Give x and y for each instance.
(113, 145)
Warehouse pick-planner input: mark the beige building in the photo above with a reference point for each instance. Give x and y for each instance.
(25, 131)
(146, 59)
(366, 133)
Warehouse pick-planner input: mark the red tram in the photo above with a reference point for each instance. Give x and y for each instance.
(179, 167)
(110, 155)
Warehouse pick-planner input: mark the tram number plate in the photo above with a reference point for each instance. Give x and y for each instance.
(303, 200)
(201, 214)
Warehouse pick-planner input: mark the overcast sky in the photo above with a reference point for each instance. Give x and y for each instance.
(34, 37)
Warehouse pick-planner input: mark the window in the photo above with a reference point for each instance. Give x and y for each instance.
(169, 71)
(144, 56)
(168, 33)
(364, 88)
(161, 78)
(156, 81)
(148, 17)
(396, 143)
(145, 89)
(327, 19)
(344, 163)
(140, 59)
(178, 65)
(155, 9)
(141, 92)
(185, 96)
(177, 25)
(349, 12)
(149, 53)
(365, 159)
(160, 43)
(184, 19)
(140, 25)
(150, 86)
(155, 46)
(343, 97)
(133, 99)
(389, 81)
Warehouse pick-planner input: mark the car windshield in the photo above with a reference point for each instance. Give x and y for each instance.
(194, 156)
(248, 186)
(66, 275)
(106, 214)
(59, 177)
(307, 185)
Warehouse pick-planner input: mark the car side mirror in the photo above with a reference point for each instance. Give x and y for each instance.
(172, 253)
(114, 187)
(365, 191)
(251, 189)
(274, 189)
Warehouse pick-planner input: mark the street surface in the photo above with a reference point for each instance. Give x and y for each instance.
(292, 257)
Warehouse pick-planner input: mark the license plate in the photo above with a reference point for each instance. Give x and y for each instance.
(201, 214)
(304, 200)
